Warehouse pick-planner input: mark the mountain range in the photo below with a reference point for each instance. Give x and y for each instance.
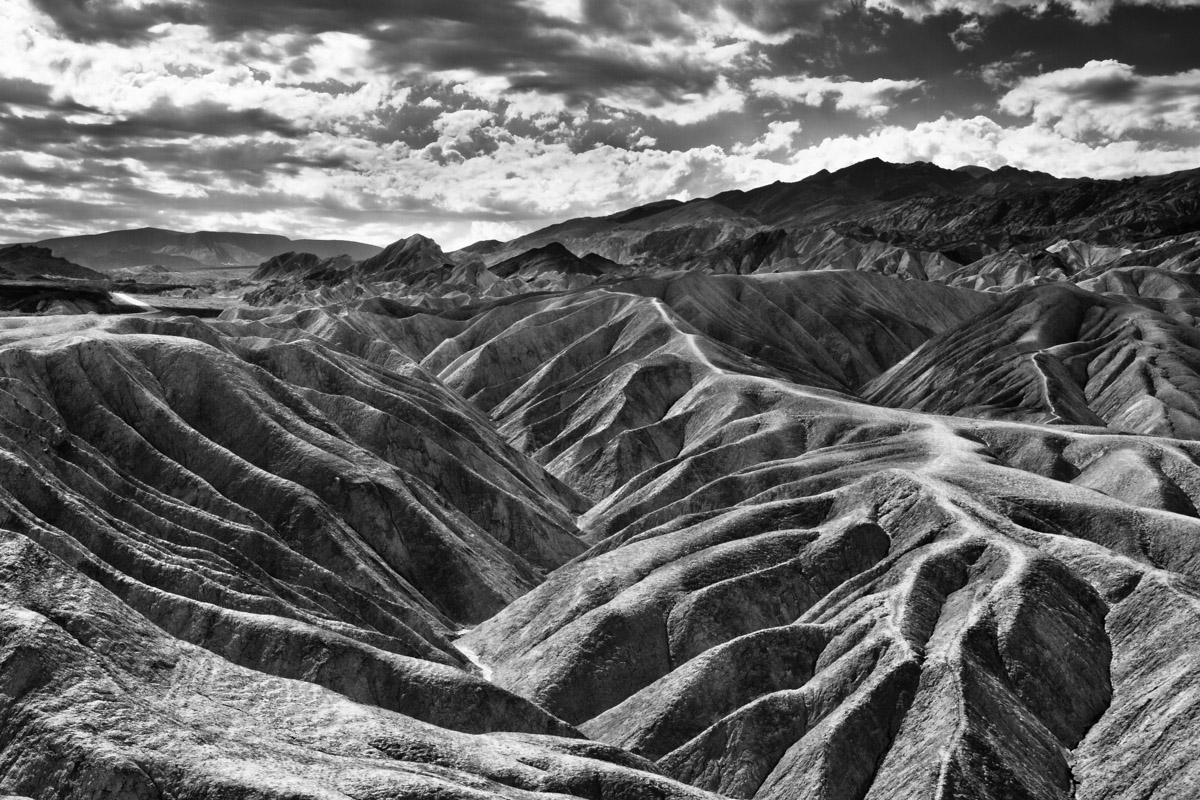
(190, 251)
(884, 484)
(961, 214)
(976, 228)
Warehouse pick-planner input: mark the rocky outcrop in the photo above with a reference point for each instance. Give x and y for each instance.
(300, 266)
(405, 258)
(28, 261)
(554, 258)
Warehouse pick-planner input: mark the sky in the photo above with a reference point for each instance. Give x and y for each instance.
(477, 119)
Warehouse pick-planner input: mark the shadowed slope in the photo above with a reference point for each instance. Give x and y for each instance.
(1058, 353)
(23, 261)
(553, 258)
(914, 219)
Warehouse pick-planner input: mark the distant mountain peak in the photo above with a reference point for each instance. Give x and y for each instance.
(974, 170)
(402, 258)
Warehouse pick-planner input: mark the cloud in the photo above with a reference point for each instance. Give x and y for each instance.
(457, 126)
(865, 98)
(779, 140)
(1006, 73)
(685, 109)
(121, 136)
(1107, 98)
(950, 143)
(22, 92)
(1088, 11)
(968, 34)
(444, 29)
(321, 65)
(111, 20)
(132, 20)
(758, 20)
(460, 119)
(526, 44)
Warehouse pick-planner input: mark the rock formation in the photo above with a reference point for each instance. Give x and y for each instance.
(27, 261)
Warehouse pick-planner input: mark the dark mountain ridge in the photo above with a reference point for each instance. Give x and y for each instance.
(916, 205)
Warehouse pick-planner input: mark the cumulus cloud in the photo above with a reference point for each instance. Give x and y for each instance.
(951, 143)
(865, 98)
(1107, 98)
(779, 140)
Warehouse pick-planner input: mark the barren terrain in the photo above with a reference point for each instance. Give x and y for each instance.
(879, 485)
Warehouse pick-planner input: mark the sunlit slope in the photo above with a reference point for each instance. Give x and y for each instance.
(288, 506)
(99, 702)
(1059, 353)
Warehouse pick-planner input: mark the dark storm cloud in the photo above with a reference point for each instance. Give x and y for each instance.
(251, 162)
(777, 16)
(163, 120)
(1006, 46)
(535, 50)
(206, 118)
(83, 161)
(540, 52)
(85, 170)
(1117, 88)
(27, 93)
(1146, 36)
(106, 20)
(866, 43)
(96, 20)
(22, 92)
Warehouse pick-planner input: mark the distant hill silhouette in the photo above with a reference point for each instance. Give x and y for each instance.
(182, 251)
